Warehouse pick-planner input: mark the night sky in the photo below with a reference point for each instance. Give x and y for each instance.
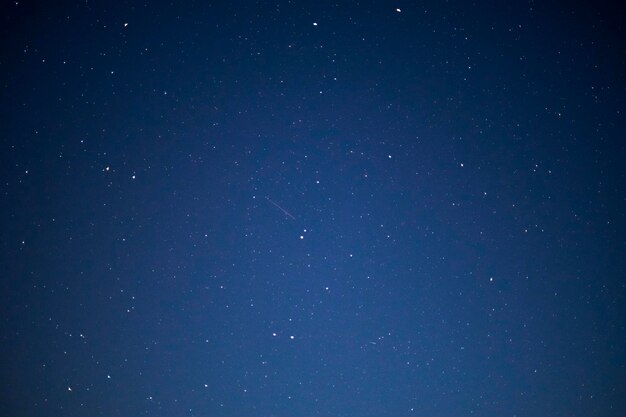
(311, 208)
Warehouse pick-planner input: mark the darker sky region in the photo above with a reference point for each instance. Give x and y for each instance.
(299, 208)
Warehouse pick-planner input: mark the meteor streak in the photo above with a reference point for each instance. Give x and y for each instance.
(280, 208)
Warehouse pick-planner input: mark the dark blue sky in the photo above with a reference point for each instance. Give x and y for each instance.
(312, 209)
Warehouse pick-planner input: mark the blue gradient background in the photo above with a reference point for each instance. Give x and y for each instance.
(453, 175)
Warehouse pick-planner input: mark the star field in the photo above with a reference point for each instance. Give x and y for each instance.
(293, 208)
